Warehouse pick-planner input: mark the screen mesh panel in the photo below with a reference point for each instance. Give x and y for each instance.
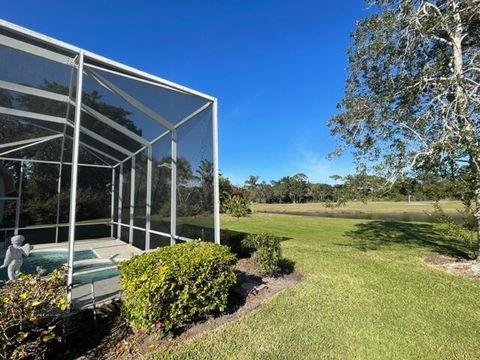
(195, 177)
(161, 184)
(125, 115)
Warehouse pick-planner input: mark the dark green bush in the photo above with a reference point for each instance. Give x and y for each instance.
(238, 243)
(31, 311)
(176, 284)
(247, 247)
(267, 256)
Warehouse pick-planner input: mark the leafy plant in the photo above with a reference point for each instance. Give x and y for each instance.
(268, 255)
(30, 312)
(238, 242)
(464, 232)
(176, 284)
(236, 205)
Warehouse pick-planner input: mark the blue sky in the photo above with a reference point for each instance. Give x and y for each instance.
(276, 66)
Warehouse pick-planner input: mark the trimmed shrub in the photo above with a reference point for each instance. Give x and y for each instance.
(237, 242)
(31, 310)
(268, 255)
(176, 284)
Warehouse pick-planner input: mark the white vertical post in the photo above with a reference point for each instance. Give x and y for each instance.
(59, 189)
(216, 188)
(148, 201)
(173, 191)
(120, 198)
(59, 193)
(132, 200)
(74, 182)
(19, 199)
(112, 203)
(60, 167)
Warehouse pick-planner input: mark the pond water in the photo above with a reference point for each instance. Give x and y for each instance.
(397, 216)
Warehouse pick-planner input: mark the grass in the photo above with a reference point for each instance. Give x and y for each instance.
(369, 207)
(366, 295)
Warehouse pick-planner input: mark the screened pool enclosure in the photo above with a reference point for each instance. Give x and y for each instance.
(93, 148)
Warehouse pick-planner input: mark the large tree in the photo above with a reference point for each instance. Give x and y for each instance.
(412, 96)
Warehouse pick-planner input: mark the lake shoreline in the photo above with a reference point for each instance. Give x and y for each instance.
(348, 214)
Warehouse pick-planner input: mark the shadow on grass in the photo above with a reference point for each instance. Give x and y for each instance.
(375, 235)
(287, 266)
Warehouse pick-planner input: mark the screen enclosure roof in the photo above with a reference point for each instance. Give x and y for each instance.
(123, 110)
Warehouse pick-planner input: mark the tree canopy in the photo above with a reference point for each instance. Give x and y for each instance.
(412, 95)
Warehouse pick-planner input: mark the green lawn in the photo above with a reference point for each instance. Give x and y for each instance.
(369, 207)
(366, 295)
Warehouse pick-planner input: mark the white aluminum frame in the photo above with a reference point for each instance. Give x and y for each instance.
(112, 202)
(216, 187)
(148, 200)
(74, 177)
(173, 190)
(87, 64)
(19, 200)
(132, 198)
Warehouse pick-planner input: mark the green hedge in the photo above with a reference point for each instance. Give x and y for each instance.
(268, 253)
(176, 284)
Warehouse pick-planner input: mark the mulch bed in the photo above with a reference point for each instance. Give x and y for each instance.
(454, 265)
(109, 338)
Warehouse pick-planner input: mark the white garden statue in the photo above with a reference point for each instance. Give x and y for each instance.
(14, 256)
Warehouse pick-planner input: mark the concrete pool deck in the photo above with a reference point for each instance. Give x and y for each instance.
(105, 248)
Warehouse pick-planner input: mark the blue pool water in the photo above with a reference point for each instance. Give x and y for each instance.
(49, 260)
(87, 278)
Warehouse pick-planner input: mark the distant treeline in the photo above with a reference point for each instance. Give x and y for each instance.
(298, 189)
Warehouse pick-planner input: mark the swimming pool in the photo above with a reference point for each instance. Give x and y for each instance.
(100, 274)
(84, 271)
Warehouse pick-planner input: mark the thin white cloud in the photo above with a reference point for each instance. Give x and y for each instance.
(317, 167)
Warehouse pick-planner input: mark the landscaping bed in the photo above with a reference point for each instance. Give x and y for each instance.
(454, 265)
(115, 340)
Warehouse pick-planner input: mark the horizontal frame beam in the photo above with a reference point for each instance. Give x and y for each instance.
(42, 140)
(34, 91)
(26, 141)
(35, 50)
(32, 115)
(8, 198)
(55, 119)
(54, 162)
(34, 227)
(155, 232)
(64, 98)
